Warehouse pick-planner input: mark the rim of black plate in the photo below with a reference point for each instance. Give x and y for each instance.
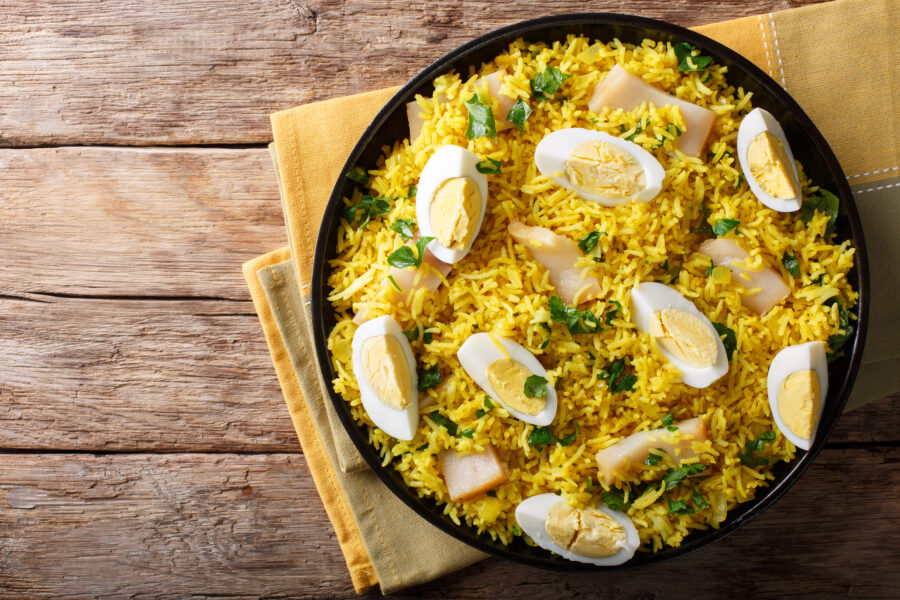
(836, 400)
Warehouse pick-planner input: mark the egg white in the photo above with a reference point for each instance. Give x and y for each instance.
(479, 351)
(799, 357)
(531, 515)
(552, 152)
(757, 121)
(649, 298)
(446, 163)
(399, 424)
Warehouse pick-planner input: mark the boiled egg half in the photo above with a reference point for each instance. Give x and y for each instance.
(599, 536)
(450, 202)
(599, 167)
(501, 367)
(797, 384)
(385, 369)
(683, 334)
(767, 162)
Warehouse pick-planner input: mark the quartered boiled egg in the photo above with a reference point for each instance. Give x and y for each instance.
(385, 370)
(450, 202)
(599, 167)
(797, 384)
(599, 536)
(500, 367)
(767, 162)
(684, 334)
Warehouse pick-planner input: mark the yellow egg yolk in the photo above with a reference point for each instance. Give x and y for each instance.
(770, 166)
(585, 531)
(507, 377)
(387, 371)
(455, 211)
(686, 336)
(798, 402)
(601, 168)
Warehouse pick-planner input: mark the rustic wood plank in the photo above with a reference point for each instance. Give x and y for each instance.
(238, 526)
(209, 72)
(135, 221)
(138, 375)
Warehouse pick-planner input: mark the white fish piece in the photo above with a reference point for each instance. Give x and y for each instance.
(559, 256)
(471, 474)
(623, 89)
(772, 288)
(617, 460)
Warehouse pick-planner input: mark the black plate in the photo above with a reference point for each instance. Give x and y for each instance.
(809, 147)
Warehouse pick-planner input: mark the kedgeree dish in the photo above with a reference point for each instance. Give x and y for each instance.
(591, 300)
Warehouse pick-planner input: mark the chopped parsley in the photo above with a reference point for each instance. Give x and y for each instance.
(824, 202)
(687, 60)
(791, 263)
(723, 226)
(444, 422)
(835, 342)
(819, 281)
(542, 436)
(404, 257)
(639, 128)
(612, 313)
(535, 386)
(671, 270)
(368, 207)
(468, 433)
(681, 507)
(413, 190)
(413, 335)
(359, 175)
(750, 456)
(617, 379)
(395, 284)
(516, 530)
(578, 321)
(654, 457)
(590, 486)
(549, 331)
(545, 83)
(481, 119)
(588, 243)
(488, 166)
(422, 447)
(488, 406)
(675, 476)
(429, 378)
(729, 338)
(405, 227)
(674, 130)
(518, 114)
(705, 227)
(709, 269)
(615, 499)
(668, 422)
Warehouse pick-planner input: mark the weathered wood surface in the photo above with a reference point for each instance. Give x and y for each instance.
(251, 526)
(209, 72)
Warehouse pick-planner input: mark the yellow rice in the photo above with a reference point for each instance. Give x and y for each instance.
(498, 288)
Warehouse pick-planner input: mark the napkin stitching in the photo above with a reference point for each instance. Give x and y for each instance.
(874, 189)
(387, 554)
(777, 49)
(762, 28)
(874, 172)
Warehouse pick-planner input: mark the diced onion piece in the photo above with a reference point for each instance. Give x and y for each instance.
(471, 474)
(772, 288)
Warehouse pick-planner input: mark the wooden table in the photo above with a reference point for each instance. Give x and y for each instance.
(145, 449)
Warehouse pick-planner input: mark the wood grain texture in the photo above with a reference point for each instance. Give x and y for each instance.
(135, 221)
(209, 72)
(239, 526)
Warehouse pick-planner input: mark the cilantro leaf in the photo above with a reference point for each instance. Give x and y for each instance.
(359, 175)
(835, 342)
(723, 226)
(705, 227)
(668, 422)
(674, 130)
(654, 457)
(413, 190)
(488, 166)
(675, 476)
(429, 378)
(824, 202)
(369, 207)
(412, 334)
(684, 52)
(612, 313)
(488, 404)
(394, 283)
(791, 263)
(481, 119)
(615, 499)
(535, 386)
(578, 321)
(589, 242)
(545, 83)
(618, 380)
(405, 227)
(444, 422)
(709, 269)
(468, 433)
(543, 436)
(518, 114)
(749, 457)
(680, 507)
(422, 447)
(729, 338)
(404, 257)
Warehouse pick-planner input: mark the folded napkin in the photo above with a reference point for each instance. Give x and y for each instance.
(824, 55)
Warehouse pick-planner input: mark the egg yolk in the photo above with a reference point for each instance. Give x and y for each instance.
(455, 211)
(686, 336)
(601, 168)
(770, 166)
(585, 531)
(387, 371)
(507, 377)
(798, 402)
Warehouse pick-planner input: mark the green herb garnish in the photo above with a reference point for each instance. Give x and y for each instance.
(405, 227)
(615, 499)
(835, 342)
(359, 175)
(545, 83)
(729, 338)
(705, 227)
(819, 281)
(535, 386)
(422, 447)
(518, 114)
(791, 263)
(369, 207)
(687, 61)
(655, 457)
(612, 313)
(671, 270)
(578, 321)
(404, 256)
(488, 166)
(674, 130)
(481, 119)
(516, 530)
(668, 422)
(681, 507)
(723, 226)
(617, 379)
(675, 476)
(542, 436)
(444, 422)
(429, 378)
(468, 433)
(412, 191)
(824, 202)
(750, 456)
(589, 242)
(395, 284)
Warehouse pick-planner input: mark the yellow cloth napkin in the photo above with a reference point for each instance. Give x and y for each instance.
(827, 56)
